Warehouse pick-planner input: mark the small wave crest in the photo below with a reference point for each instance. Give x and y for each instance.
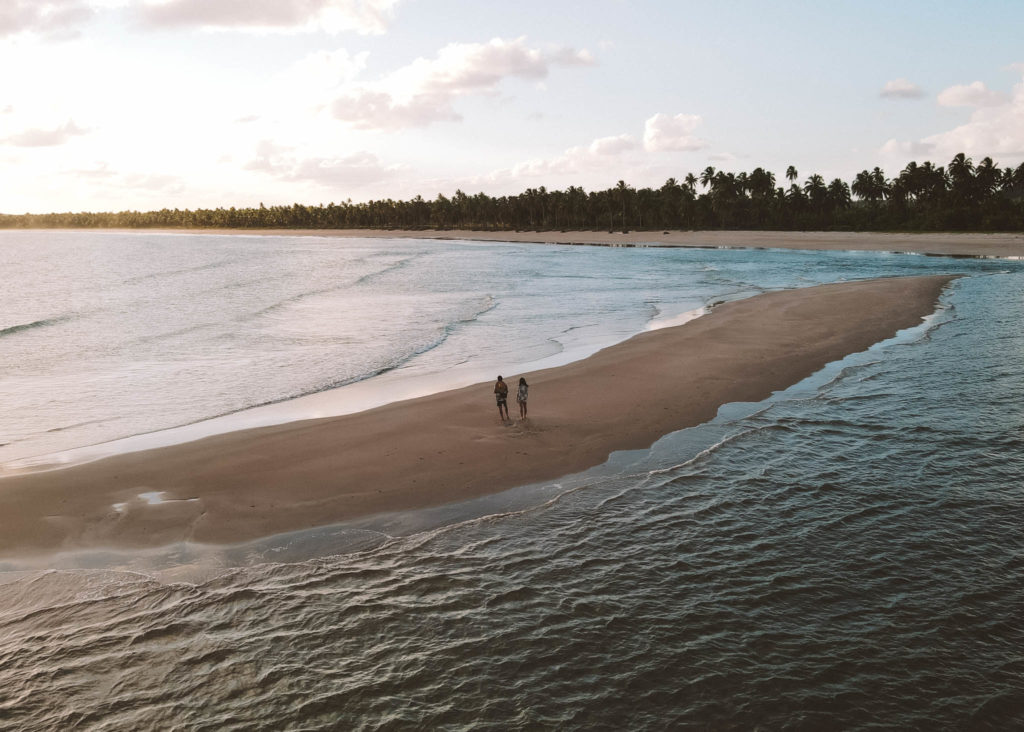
(184, 270)
(400, 264)
(11, 330)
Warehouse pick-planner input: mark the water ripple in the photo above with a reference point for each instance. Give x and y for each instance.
(846, 555)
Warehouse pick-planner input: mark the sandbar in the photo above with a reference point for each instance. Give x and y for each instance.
(939, 244)
(451, 446)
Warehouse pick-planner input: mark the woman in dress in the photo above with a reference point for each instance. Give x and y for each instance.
(524, 388)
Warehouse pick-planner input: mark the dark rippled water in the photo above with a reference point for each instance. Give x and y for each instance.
(846, 555)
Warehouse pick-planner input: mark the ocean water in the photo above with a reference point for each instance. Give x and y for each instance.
(846, 554)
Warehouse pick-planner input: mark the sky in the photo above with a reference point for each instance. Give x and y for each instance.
(109, 105)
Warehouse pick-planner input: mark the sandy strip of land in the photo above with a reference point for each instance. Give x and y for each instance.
(451, 446)
(945, 244)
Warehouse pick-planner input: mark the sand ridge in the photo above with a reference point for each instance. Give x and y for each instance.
(940, 244)
(451, 446)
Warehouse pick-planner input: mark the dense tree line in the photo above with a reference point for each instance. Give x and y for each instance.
(961, 196)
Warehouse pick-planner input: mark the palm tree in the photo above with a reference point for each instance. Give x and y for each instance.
(669, 196)
(761, 183)
(933, 181)
(961, 175)
(623, 190)
(742, 183)
(815, 189)
(862, 186)
(707, 177)
(910, 179)
(986, 177)
(880, 183)
(839, 193)
(791, 174)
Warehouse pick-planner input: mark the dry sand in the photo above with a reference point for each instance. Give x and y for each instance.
(451, 446)
(975, 245)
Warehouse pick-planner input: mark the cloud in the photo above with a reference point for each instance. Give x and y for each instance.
(355, 170)
(97, 172)
(101, 177)
(995, 128)
(571, 57)
(975, 94)
(160, 182)
(664, 133)
(369, 110)
(604, 146)
(52, 18)
(423, 92)
(38, 137)
(661, 133)
(327, 70)
(330, 16)
(909, 149)
(600, 153)
(901, 89)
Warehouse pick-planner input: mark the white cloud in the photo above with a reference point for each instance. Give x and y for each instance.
(991, 131)
(61, 18)
(160, 182)
(369, 110)
(97, 171)
(294, 104)
(608, 156)
(46, 137)
(52, 18)
(901, 89)
(355, 170)
(612, 145)
(327, 70)
(995, 128)
(570, 57)
(598, 154)
(309, 84)
(664, 133)
(331, 16)
(110, 183)
(423, 92)
(908, 149)
(975, 94)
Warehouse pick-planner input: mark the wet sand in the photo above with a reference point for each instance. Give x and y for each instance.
(945, 244)
(451, 446)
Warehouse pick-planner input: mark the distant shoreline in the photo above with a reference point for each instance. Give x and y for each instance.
(1002, 245)
(450, 446)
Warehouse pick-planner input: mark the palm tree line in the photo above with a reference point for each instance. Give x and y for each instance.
(962, 196)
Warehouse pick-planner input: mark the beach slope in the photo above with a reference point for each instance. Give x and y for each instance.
(451, 446)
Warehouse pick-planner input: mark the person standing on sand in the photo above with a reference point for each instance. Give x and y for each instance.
(501, 394)
(524, 389)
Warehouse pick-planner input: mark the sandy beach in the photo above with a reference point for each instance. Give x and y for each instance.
(452, 446)
(943, 244)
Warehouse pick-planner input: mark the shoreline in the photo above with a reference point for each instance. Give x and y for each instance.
(449, 447)
(999, 245)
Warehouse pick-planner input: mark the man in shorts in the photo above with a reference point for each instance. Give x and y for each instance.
(501, 394)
